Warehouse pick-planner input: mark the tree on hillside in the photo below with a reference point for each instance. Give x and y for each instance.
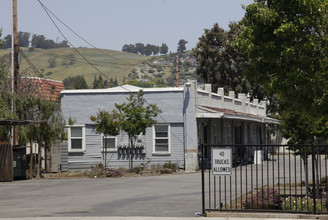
(40, 41)
(75, 82)
(164, 49)
(181, 46)
(98, 83)
(140, 48)
(129, 48)
(155, 50)
(148, 49)
(52, 62)
(23, 39)
(7, 42)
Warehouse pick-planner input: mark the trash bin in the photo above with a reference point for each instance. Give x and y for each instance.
(258, 157)
(19, 163)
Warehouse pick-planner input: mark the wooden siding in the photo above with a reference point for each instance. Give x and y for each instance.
(64, 157)
(94, 154)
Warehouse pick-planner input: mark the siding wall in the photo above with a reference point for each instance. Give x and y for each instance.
(80, 107)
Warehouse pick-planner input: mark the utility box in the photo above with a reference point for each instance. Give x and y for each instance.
(19, 163)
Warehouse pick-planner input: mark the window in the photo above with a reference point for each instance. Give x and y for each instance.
(76, 139)
(108, 143)
(161, 134)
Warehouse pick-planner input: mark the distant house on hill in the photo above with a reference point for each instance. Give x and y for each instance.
(190, 116)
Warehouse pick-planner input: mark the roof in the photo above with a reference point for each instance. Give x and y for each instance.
(123, 89)
(21, 122)
(48, 88)
(213, 112)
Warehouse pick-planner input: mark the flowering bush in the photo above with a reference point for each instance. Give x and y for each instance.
(300, 204)
(114, 173)
(263, 199)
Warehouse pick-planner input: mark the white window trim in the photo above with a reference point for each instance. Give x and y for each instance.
(83, 150)
(108, 149)
(161, 153)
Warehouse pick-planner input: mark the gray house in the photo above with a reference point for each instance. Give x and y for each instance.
(190, 116)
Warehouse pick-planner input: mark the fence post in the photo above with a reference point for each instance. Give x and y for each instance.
(313, 180)
(203, 179)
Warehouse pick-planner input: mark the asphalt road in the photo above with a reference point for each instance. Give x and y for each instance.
(166, 196)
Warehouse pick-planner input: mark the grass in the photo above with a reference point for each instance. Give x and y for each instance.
(112, 64)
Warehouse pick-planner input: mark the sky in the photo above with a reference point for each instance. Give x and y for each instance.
(109, 24)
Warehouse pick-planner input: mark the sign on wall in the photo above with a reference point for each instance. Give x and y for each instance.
(221, 161)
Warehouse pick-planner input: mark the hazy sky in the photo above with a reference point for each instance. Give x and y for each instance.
(110, 24)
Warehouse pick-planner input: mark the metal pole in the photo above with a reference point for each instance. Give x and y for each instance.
(313, 181)
(31, 153)
(203, 179)
(177, 71)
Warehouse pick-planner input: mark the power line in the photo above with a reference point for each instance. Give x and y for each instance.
(79, 35)
(72, 44)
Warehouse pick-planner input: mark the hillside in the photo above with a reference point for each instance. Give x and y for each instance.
(61, 63)
(145, 71)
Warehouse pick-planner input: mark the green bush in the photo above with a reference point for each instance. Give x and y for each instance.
(171, 166)
(300, 204)
(138, 169)
(96, 171)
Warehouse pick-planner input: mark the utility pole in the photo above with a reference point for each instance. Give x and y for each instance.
(15, 64)
(177, 69)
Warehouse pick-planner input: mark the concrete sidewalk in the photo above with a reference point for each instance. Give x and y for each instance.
(226, 216)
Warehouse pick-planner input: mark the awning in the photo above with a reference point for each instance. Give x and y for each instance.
(212, 112)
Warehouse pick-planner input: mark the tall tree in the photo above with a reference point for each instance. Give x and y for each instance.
(287, 45)
(148, 49)
(23, 39)
(219, 63)
(140, 48)
(164, 49)
(155, 50)
(181, 46)
(7, 42)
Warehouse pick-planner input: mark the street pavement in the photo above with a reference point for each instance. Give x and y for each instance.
(158, 196)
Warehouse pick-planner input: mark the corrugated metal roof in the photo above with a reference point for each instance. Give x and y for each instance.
(123, 89)
(213, 112)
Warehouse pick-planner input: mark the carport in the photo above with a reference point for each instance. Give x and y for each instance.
(7, 153)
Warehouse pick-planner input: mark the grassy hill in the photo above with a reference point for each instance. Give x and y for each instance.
(61, 63)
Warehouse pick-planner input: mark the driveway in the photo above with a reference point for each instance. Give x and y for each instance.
(165, 195)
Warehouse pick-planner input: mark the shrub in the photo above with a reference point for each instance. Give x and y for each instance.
(166, 170)
(137, 169)
(263, 199)
(300, 204)
(96, 171)
(114, 173)
(171, 166)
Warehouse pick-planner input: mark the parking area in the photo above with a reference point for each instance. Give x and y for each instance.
(166, 195)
